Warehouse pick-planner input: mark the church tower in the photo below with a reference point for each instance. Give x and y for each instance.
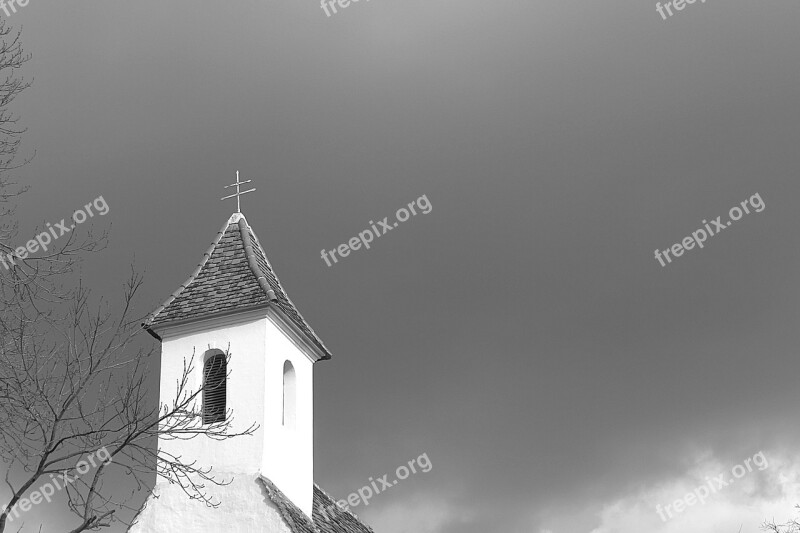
(234, 303)
(254, 355)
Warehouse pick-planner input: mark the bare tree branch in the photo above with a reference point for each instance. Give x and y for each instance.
(72, 382)
(792, 526)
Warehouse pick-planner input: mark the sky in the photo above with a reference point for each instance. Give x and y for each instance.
(522, 333)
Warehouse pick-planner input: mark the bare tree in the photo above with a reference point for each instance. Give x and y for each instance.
(12, 58)
(792, 526)
(68, 390)
(72, 380)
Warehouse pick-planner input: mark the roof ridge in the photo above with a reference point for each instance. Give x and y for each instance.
(283, 503)
(245, 229)
(262, 280)
(345, 511)
(194, 274)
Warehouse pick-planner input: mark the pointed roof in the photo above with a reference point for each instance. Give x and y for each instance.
(234, 275)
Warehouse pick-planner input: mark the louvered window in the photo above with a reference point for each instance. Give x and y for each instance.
(215, 372)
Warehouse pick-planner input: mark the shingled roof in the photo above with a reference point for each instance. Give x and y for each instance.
(333, 520)
(234, 274)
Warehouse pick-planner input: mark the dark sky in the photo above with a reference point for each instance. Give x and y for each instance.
(521, 334)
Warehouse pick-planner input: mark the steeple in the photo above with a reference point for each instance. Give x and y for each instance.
(233, 302)
(234, 275)
(251, 343)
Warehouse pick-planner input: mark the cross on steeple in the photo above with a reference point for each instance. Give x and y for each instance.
(237, 194)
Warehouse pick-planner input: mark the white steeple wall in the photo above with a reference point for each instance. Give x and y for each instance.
(245, 333)
(260, 343)
(288, 456)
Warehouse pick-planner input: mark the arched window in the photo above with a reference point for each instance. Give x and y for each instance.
(215, 373)
(289, 395)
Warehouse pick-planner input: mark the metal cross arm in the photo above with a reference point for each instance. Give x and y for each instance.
(238, 192)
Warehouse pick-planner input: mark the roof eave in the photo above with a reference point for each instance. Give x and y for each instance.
(154, 329)
(310, 343)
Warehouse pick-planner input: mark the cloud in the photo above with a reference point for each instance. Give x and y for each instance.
(417, 514)
(746, 502)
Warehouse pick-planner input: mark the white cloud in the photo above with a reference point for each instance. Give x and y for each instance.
(747, 502)
(418, 514)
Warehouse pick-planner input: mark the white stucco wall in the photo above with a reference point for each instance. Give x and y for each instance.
(288, 456)
(245, 387)
(260, 342)
(245, 508)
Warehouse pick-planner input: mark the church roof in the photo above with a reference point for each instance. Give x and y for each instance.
(234, 274)
(333, 520)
